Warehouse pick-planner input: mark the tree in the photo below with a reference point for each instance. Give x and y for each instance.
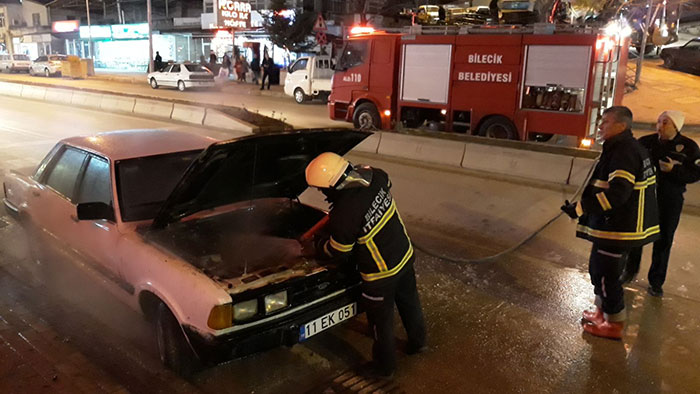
(291, 34)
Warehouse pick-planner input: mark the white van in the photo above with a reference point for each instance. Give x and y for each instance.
(14, 63)
(309, 77)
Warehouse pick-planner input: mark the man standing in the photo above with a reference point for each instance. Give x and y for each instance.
(365, 226)
(266, 69)
(494, 10)
(677, 161)
(158, 62)
(617, 212)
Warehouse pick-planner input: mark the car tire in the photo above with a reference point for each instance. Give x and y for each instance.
(154, 83)
(31, 71)
(47, 72)
(366, 117)
(669, 62)
(181, 86)
(498, 127)
(174, 349)
(299, 96)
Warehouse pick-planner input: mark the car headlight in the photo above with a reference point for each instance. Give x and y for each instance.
(275, 301)
(245, 310)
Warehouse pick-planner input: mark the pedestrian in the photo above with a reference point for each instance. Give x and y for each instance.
(226, 62)
(266, 69)
(255, 68)
(158, 62)
(244, 69)
(365, 228)
(494, 10)
(677, 161)
(441, 14)
(617, 212)
(213, 59)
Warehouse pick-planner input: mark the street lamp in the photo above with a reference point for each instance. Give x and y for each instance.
(90, 48)
(150, 37)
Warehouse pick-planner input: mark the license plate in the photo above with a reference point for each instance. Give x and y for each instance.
(327, 321)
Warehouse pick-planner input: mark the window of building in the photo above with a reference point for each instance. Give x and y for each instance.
(36, 19)
(208, 6)
(2, 20)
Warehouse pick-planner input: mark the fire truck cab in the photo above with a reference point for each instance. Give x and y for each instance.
(518, 85)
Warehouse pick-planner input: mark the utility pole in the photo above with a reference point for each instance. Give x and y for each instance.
(643, 48)
(90, 48)
(150, 36)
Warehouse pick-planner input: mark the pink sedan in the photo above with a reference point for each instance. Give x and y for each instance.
(200, 236)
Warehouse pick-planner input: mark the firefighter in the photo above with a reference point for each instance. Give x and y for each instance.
(365, 227)
(617, 212)
(677, 162)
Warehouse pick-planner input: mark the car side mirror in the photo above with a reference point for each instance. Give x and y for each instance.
(95, 211)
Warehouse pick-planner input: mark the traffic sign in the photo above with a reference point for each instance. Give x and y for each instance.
(320, 24)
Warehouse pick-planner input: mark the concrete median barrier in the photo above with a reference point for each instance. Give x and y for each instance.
(422, 148)
(86, 99)
(579, 170)
(370, 144)
(59, 96)
(220, 120)
(33, 92)
(11, 89)
(539, 166)
(158, 108)
(188, 113)
(117, 103)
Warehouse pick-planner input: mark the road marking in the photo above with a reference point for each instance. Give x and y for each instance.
(16, 130)
(23, 144)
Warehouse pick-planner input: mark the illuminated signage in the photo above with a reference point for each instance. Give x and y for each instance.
(65, 26)
(233, 14)
(133, 31)
(96, 32)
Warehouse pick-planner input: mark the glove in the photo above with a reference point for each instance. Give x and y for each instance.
(569, 208)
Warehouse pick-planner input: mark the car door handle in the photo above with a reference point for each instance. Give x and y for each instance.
(36, 193)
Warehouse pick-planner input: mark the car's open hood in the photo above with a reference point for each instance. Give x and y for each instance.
(247, 168)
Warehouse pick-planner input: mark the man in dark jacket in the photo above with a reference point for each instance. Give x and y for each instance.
(365, 226)
(266, 69)
(677, 162)
(617, 212)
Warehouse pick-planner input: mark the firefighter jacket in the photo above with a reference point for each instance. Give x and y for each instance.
(680, 148)
(619, 203)
(365, 226)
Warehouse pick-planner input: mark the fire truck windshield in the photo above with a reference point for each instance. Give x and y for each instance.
(354, 54)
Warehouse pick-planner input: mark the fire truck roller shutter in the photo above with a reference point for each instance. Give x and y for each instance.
(498, 126)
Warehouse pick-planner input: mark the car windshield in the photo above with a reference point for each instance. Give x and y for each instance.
(353, 54)
(196, 68)
(144, 183)
(21, 57)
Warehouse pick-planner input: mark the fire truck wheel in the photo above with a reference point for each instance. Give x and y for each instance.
(498, 127)
(300, 96)
(367, 117)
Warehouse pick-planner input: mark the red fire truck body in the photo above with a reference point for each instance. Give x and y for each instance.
(499, 85)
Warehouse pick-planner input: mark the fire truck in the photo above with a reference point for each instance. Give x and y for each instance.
(502, 82)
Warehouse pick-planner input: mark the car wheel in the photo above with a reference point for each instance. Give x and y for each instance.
(498, 127)
(31, 71)
(173, 347)
(299, 96)
(181, 86)
(47, 72)
(154, 83)
(669, 62)
(366, 117)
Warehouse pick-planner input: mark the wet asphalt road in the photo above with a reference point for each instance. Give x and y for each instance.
(506, 326)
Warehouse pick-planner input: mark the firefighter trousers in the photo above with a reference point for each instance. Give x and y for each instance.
(378, 298)
(605, 266)
(670, 208)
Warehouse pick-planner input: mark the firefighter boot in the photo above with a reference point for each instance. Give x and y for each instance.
(595, 317)
(606, 329)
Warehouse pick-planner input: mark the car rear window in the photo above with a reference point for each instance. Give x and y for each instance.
(196, 68)
(144, 183)
(21, 57)
(58, 57)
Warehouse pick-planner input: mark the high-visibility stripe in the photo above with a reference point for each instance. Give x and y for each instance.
(393, 271)
(603, 201)
(618, 236)
(341, 247)
(644, 184)
(640, 211)
(325, 249)
(376, 256)
(600, 183)
(382, 222)
(621, 174)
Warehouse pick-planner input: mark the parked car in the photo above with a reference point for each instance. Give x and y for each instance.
(14, 63)
(182, 76)
(199, 236)
(685, 58)
(309, 77)
(47, 65)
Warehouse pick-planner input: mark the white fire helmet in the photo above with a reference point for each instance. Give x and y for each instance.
(326, 170)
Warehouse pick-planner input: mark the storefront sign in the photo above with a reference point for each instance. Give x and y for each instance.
(65, 26)
(96, 32)
(233, 14)
(133, 31)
